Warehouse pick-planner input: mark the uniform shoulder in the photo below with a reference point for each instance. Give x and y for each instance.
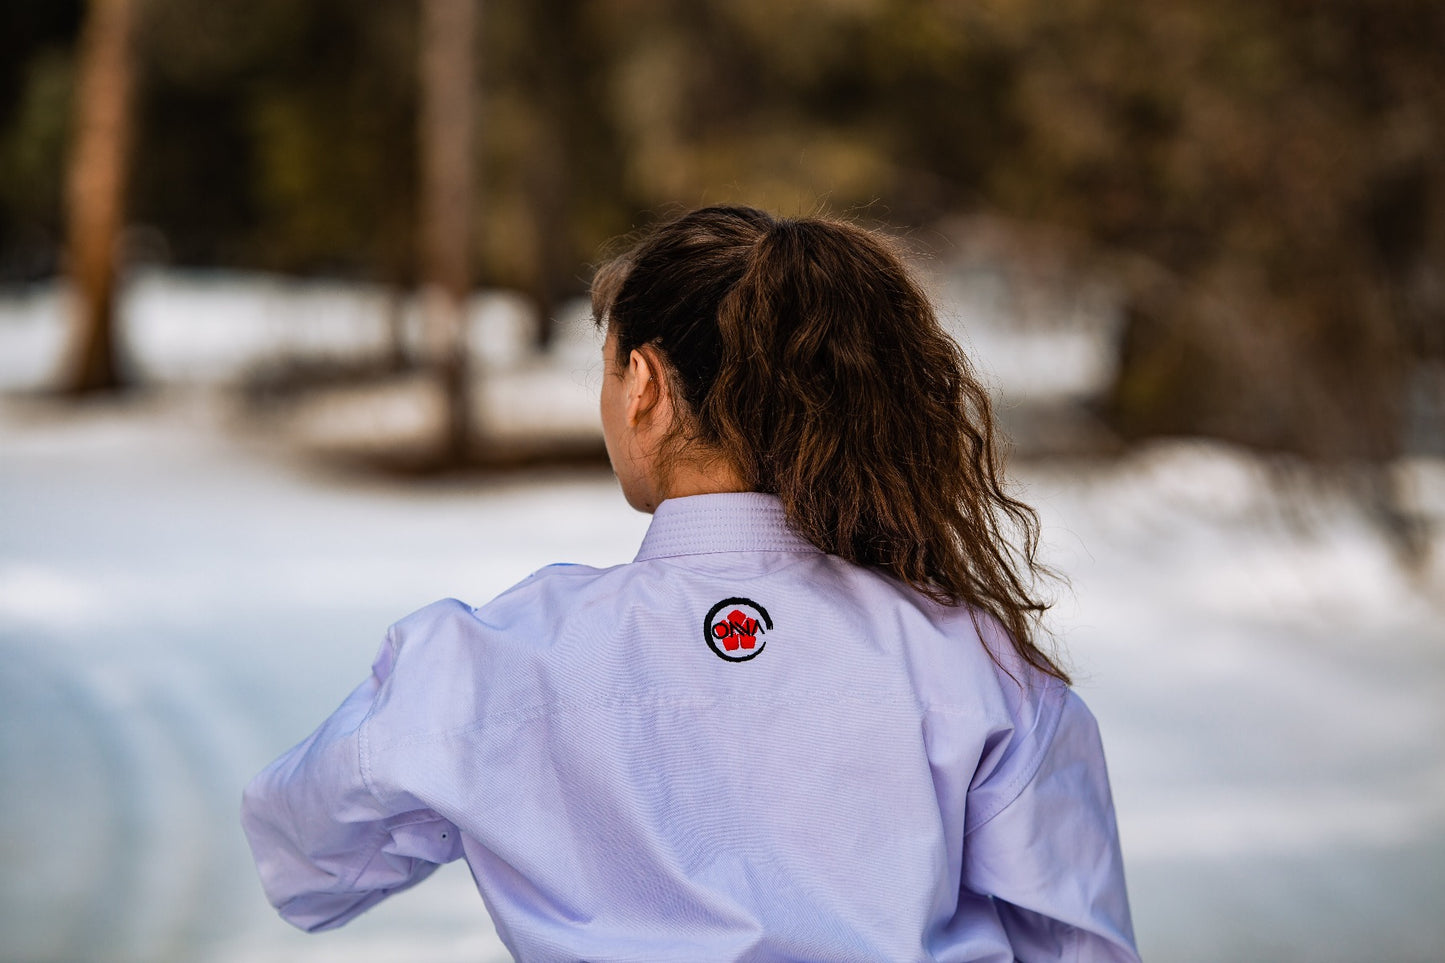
(548, 584)
(549, 591)
(962, 653)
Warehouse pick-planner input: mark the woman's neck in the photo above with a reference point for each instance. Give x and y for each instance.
(697, 477)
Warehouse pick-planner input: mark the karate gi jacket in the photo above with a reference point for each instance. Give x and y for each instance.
(735, 747)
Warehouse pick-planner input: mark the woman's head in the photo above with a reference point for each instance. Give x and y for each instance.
(800, 357)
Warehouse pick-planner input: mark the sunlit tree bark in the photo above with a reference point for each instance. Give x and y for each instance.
(96, 190)
(448, 29)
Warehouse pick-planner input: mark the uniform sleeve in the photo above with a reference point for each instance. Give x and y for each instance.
(1046, 847)
(325, 847)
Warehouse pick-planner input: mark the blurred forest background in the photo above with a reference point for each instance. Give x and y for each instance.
(1262, 180)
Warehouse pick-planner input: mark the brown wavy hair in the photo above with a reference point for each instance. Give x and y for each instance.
(811, 360)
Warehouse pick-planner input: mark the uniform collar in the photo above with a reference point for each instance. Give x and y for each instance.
(723, 522)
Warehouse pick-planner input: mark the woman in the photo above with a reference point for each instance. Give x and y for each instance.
(809, 722)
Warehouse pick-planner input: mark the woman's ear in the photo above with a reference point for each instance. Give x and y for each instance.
(647, 396)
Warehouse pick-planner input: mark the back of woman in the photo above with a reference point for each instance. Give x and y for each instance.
(808, 722)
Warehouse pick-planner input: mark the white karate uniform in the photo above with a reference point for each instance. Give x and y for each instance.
(734, 748)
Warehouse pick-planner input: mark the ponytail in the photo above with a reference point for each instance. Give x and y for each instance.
(810, 359)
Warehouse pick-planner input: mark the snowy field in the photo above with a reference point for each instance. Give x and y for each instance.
(183, 596)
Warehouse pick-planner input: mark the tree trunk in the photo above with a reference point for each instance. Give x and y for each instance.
(447, 35)
(96, 190)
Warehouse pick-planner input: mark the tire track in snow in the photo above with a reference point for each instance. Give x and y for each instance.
(139, 759)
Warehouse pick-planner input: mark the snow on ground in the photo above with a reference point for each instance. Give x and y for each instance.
(1271, 700)
(208, 327)
(182, 597)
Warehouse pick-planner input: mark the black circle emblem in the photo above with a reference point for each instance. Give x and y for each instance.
(736, 629)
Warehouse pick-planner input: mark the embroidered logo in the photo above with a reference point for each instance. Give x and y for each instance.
(735, 629)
